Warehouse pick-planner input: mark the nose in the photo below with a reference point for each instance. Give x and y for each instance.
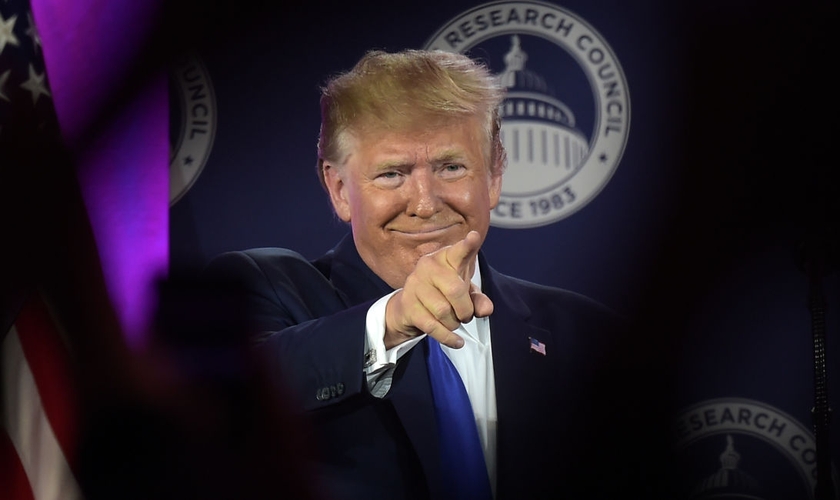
(422, 194)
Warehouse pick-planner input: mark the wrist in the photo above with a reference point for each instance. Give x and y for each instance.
(393, 336)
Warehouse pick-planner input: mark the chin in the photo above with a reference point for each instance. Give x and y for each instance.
(428, 247)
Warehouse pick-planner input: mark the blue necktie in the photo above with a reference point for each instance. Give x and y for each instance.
(462, 459)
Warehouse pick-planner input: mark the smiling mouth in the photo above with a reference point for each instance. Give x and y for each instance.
(425, 231)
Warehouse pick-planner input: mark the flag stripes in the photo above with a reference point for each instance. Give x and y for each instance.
(39, 418)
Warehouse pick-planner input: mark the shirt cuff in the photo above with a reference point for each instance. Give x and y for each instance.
(380, 362)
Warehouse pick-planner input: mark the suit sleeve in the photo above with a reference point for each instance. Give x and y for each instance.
(312, 343)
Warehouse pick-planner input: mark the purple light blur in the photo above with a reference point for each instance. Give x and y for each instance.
(89, 46)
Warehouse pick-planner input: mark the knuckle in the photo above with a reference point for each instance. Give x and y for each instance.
(451, 324)
(441, 310)
(427, 325)
(455, 288)
(426, 260)
(411, 281)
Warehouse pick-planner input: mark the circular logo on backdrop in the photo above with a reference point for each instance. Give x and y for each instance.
(566, 115)
(193, 124)
(741, 448)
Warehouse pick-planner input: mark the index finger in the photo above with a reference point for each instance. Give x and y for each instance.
(462, 254)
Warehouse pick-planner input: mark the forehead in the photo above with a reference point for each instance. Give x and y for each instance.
(449, 139)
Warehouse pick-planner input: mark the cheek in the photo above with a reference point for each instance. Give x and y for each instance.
(475, 199)
(376, 208)
(476, 203)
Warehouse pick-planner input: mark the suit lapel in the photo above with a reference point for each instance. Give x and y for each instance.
(521, 375)
(514, 360)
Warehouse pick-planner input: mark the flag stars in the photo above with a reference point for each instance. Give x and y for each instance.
(35, 85)
(3, 79)
(7, 32)
(32, 32)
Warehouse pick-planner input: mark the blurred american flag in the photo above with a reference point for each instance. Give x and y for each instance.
(38, 412)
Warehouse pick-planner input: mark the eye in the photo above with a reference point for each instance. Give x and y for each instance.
(388, 179)
(452, 169)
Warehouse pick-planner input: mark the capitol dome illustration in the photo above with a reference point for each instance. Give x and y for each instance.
(544, 147)
(728, 482)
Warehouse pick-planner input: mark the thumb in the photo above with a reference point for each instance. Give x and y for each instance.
(482, 305)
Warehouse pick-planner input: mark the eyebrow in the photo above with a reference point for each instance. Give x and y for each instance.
(445, 156)
(448, 155)
(396, 164)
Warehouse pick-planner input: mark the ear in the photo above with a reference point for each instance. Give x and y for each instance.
(495, 186)
(334, 179)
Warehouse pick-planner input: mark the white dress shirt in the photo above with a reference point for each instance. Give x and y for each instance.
(474, 363)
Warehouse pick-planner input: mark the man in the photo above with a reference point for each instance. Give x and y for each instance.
(411, 157)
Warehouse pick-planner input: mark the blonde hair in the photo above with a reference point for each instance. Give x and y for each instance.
(405, 91)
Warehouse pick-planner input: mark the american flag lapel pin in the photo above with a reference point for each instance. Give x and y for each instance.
(537, 346)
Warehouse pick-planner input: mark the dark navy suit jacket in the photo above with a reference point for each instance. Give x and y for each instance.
(571, 422)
